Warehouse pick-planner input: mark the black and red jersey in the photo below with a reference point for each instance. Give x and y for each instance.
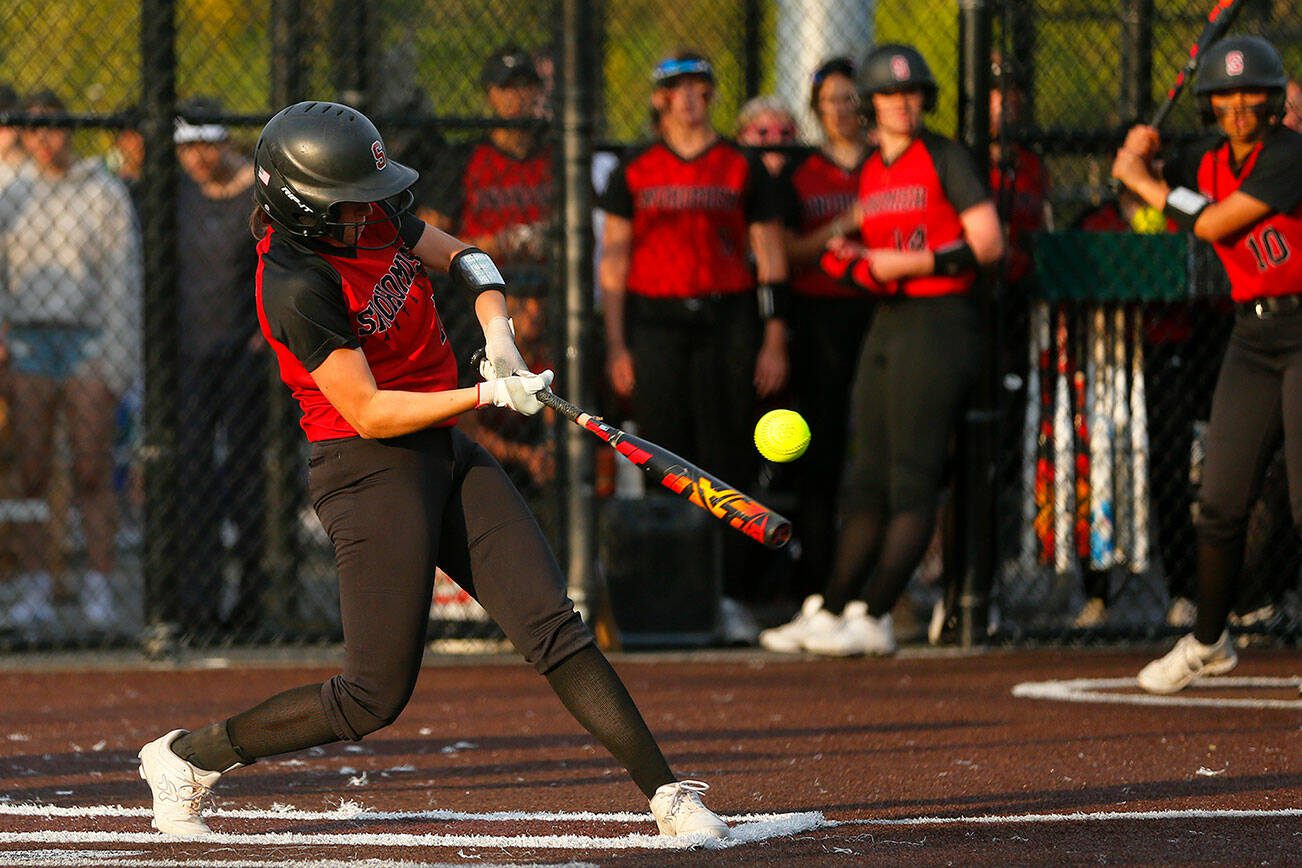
(1020, 198)
(498, 190)
(814, 191)
(1266, 258)
(914, 203)
(314, 299)
(691, 218)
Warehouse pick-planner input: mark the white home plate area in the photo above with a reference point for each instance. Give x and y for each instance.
(46, 839)
(1122, 691)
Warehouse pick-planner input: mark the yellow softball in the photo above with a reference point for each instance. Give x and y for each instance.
(1148, 221)
(782, 435)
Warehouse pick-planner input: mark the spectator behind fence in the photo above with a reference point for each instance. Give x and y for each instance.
(1241, 191)
(224, 374)
(927, 225)
(828, 320)
(764, 121)
(12, 154)
(501, 200)
(691, 340)
(72, 295)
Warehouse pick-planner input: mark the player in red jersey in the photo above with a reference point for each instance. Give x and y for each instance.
(345, 303)
(1241, 190)
(692, 340)
(828, 320)
(927, 224)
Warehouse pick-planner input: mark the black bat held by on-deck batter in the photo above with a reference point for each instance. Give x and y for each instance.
(726, 503)
(1217, 25)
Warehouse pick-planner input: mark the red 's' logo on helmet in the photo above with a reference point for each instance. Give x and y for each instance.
(377, 151)
(900, 67)
(1234, 63)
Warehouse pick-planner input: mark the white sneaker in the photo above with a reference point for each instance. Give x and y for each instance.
(857, 633)
(737, 625)
(1182, 613)
(96, 599)
(678, 810)
(1189, 659)
(1093, 614)
(790, 637)
(181, 790)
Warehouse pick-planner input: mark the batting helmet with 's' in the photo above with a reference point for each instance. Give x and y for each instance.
(314, 156)
(1241, 63)
(894, 67)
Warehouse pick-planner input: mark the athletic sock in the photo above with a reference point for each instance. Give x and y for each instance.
(1218, 573)
(905, 542)
(588, 686)
(289, 721)
(856, 548)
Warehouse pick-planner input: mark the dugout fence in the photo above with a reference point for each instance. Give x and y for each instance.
(152, 486)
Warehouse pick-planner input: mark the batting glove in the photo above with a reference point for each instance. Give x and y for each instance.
(501, 357)
(519, 392)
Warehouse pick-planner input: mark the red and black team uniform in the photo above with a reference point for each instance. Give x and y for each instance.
(692, 318)
(395, 508)
(919, 359)
(495, 194)
(828, 323)
(1258, 398)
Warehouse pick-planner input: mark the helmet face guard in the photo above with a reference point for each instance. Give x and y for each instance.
(1242, 63)
(313, 157)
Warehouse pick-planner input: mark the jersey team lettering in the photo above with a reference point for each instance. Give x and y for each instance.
(687, 198)
(388, 295)
(894, 201)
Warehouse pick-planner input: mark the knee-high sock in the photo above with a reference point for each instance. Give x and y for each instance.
(289, 721)
(589, 687)
(1218, 573)
(856, 550)
(903, 545)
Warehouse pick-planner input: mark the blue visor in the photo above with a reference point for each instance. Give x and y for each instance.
(673, 67)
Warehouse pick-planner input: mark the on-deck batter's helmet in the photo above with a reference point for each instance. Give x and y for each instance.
(1247, 62)
(313, 156)
(895, 67)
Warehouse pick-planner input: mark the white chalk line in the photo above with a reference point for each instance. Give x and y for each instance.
(1095, 816)
(1096, 690)
(137, 859)
(747, 828)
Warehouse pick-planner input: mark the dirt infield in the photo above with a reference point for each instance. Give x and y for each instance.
(922, 759)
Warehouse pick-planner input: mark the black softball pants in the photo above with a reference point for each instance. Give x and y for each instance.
(1258, 402)
(397, 508)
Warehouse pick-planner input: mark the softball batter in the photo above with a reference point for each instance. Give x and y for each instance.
(344, 302)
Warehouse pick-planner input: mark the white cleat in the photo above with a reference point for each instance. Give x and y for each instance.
(679, 811)
(1188, 660)
(181, 790)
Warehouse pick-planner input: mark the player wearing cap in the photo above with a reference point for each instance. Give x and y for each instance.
(501, 198)
(927, 224)
(1240, 190)
(346, 305)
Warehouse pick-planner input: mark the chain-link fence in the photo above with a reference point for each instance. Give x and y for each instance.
(151, 468)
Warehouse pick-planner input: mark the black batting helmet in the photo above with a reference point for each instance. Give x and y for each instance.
(1241, 62)
(313, 156)
(894, 67)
